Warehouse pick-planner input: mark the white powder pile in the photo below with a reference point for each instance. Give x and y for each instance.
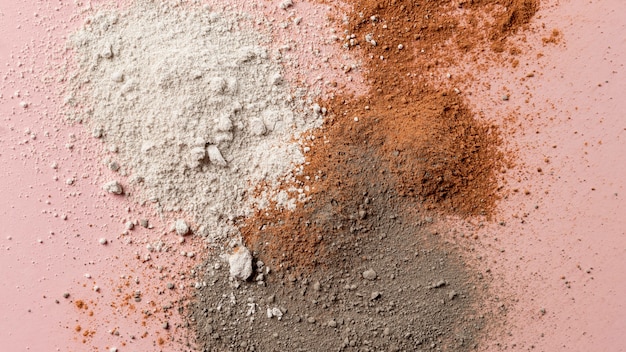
(189, 104)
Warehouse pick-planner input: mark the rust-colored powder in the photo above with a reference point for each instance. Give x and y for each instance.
(406, 135)
(441, 152)
(442, 156)
(554, 38)
(80, 304)
(518, 13)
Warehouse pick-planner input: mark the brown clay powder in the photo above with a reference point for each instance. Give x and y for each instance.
(407, 134)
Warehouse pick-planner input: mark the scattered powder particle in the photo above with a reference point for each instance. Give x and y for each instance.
(114, 166)
(369, 274)
(215, 156)
(285, 4)
(181, 227)
(113, 187)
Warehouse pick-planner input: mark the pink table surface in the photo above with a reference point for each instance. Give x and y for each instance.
(574, 103)
(563, 248)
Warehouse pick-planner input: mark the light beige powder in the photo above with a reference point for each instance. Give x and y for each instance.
(192, 107)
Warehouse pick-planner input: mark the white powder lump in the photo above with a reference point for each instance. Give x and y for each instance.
(113, 187)
(181, 227)
(194, 105)
(240, 262)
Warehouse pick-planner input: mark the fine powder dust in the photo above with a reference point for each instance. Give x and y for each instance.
(193, 107)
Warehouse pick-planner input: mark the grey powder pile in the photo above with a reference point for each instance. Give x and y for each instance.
(192, 108)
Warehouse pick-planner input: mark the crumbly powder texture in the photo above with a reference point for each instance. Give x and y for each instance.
(192, 106)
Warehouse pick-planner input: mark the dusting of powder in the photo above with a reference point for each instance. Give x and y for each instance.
(192, 107)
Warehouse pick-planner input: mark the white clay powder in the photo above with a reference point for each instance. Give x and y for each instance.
(191, 106)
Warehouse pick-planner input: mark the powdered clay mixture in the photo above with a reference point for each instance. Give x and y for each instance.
(342, 249)
(191, 107)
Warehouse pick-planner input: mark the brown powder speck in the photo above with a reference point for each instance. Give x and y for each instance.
(80, 304)
(554, 38)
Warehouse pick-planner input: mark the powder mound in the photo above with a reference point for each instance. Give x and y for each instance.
(443, 155)
(194, 106)
(411, 137)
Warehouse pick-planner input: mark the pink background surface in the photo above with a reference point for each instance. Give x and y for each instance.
(563, 248)
(574, 229)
